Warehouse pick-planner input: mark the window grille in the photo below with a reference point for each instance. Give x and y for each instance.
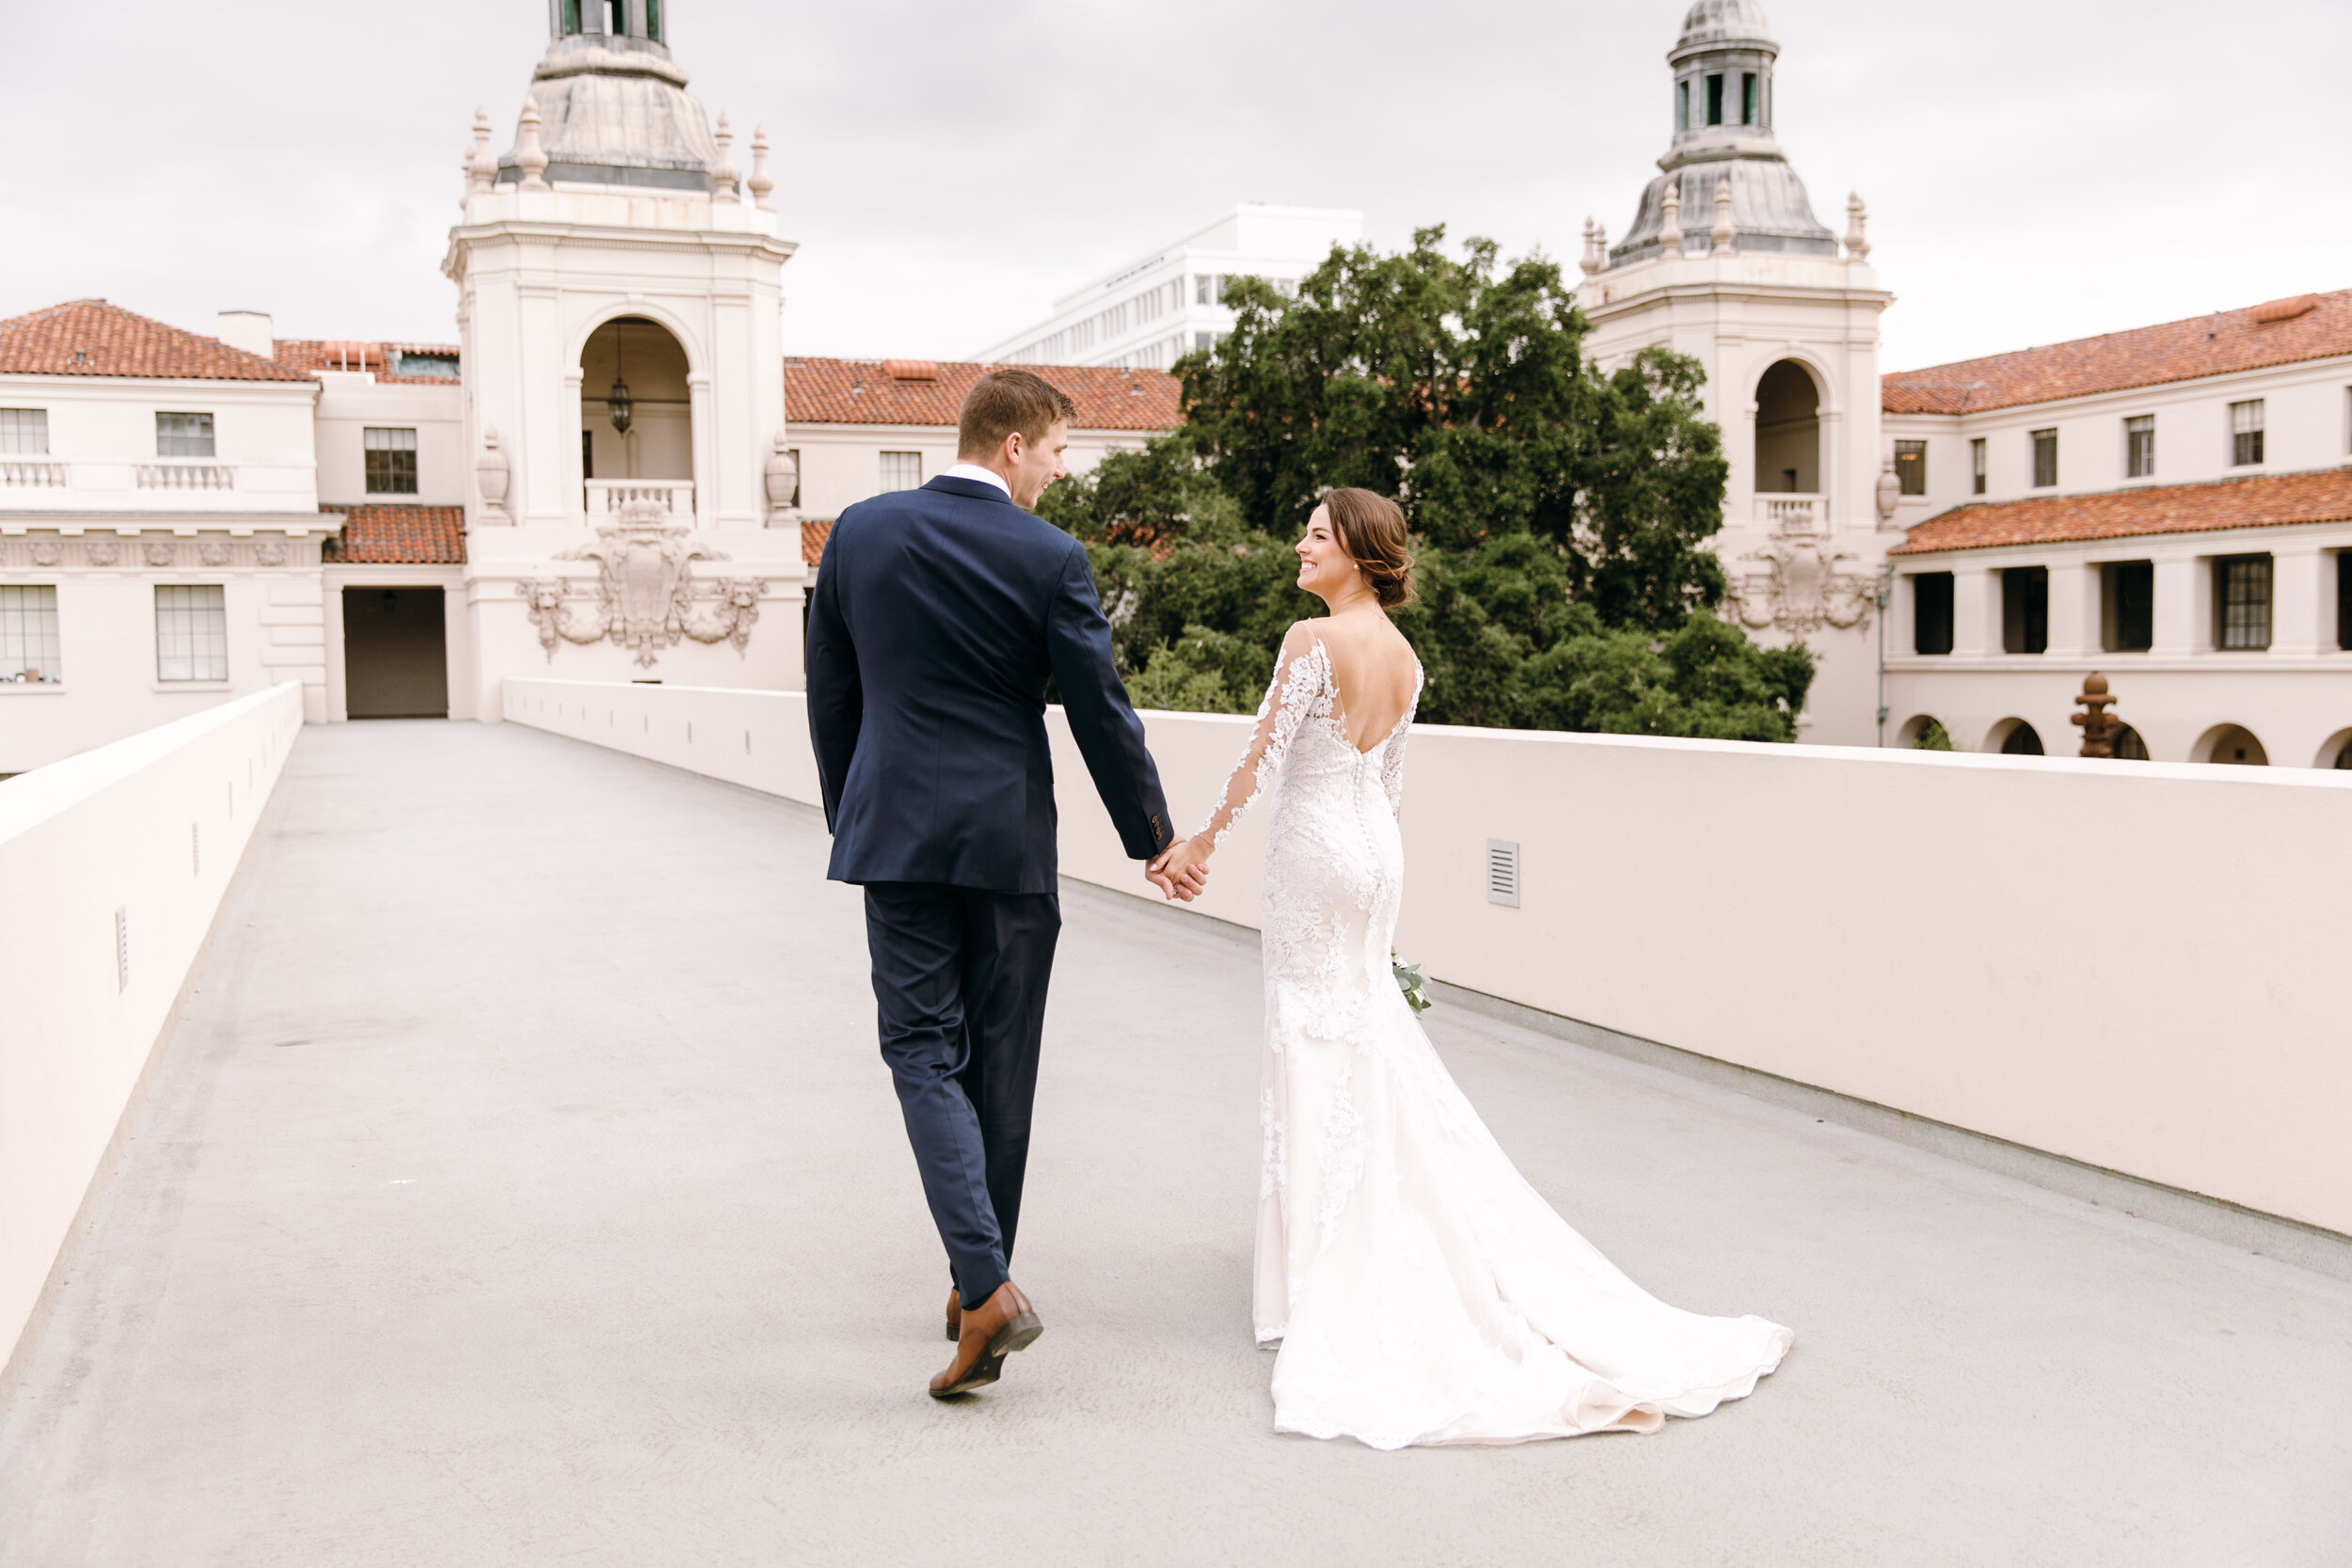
(2026, 609)
(2139, 447)
(1976, 467)
(183, 435)
(2245, 433)
(24, 432)
(191, 632)
(28, 635)
(391, 461)
(1503, 873)
(2242, 601)
(1932, 612)
(1911, 466)
(2128, 605)
(902, 470)
(2044, 459)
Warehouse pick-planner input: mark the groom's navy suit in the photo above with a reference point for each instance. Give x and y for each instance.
(939, 615)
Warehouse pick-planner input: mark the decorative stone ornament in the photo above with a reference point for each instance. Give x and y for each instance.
(2099, 726)
(270, 552)
(1588, 262)
(47, 552)
(722, 174)
(1670, 237)
(482, 166)
(492, 474)
(100, 553)
(160, 552)
(213, 552)
(1857, 246)
(1724, 238)
(784, 482)
(761, 182)
(647, 598)
(1800, 584)
(1888, 492)
(530, 155)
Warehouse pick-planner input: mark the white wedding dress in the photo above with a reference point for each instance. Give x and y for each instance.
(1419, 1290)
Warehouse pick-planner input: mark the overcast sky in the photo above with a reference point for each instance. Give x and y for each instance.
(2036, 169)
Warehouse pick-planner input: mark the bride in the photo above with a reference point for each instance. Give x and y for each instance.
(1419, 1290)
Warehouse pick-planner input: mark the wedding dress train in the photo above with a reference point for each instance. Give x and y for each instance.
(1419, 1290)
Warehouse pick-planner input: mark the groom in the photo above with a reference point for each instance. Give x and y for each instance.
(938, 617)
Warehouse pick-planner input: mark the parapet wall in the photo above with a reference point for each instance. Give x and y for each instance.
(2131, 965)
(112, 867)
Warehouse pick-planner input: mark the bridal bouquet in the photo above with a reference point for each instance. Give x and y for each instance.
(1410, 980)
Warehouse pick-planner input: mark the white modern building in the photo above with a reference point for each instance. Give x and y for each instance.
(2170, 507)
(1724, 261)
(1151, 311)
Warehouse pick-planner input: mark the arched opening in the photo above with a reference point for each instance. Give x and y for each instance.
(2231, 745)
(636, 417)
(2337, 753)
(2014, 737)
(2130, 746)
(1924, 732)
(1788, 429)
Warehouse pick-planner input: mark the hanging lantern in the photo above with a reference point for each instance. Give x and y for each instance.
(620, 405)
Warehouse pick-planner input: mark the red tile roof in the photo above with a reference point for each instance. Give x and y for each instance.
(400, 536)
(812, 537)
(2283, 332)
(866, 391)
(2266, 500)
(312, 355)
(89, 337)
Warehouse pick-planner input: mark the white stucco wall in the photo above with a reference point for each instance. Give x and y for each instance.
(153, 826)
(2006, 944)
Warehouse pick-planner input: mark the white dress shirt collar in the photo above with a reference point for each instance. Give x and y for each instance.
(974, 471)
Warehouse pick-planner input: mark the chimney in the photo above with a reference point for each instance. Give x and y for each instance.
(249, 330)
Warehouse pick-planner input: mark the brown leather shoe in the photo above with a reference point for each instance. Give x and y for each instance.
(955, 1315)
(1003, 1324)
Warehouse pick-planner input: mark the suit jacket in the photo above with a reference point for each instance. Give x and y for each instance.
(937, 617)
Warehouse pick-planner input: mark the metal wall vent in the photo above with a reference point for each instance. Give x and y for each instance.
(1503, 873)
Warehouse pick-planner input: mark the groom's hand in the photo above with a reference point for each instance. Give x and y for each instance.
(1178, 871)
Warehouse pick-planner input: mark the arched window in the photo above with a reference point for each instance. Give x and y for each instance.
(2128, 745)
(2231, 745)
(1788, 429)
(2343, 754)
(2020, 741)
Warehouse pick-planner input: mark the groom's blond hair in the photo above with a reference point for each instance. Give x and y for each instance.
(1006, 401)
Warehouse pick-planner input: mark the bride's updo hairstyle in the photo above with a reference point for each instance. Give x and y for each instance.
(1370, 528)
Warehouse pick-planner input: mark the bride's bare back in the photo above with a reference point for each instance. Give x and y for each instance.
(1374, 668)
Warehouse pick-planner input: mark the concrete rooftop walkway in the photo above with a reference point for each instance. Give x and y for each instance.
(522, 1186)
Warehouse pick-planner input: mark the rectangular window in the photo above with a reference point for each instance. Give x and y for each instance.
(903, 470)
(2026, 609)
(2343, 598)
(391, 460)
(2245, 433)
(28, 635)
(1976, 467)
(1682, 105)
(2127, 606)
(183, 435)
(24, 432)
(2241, 608)
(1716, 100)
(1932, 612)
(587, 454)
(653, 19)
(1911, 466)
(1747, 98)
(2139, 447)
(191, 632)
(2044, 459)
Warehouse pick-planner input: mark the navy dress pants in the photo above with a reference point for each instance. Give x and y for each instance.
(959, 978)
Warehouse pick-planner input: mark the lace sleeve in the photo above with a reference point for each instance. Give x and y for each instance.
(1392, 753)
(1298, 687)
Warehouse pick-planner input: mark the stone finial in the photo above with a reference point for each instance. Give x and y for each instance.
(1888, 492)
(761, 182)
(1590, 265)
(1669, 236)
(723, 174)
(783, 477)
(530, 156)
(482, 167)
(2100, 727)
(492, 473)
(1857, 247)
(1724, 236)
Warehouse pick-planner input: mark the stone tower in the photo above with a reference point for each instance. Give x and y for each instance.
(619, 289)
(1726, 262)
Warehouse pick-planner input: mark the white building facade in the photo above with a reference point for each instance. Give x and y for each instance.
(1151, 311)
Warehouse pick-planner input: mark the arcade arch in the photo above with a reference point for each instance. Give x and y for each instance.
(2231, 745)
(1788, 429)
(636, 408)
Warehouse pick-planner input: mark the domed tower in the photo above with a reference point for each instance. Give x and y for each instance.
(619, 297)
(1725, 262)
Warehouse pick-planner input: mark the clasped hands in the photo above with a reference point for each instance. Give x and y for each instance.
(1180, 870)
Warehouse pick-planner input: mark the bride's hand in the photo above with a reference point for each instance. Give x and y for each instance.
(1180, 870)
